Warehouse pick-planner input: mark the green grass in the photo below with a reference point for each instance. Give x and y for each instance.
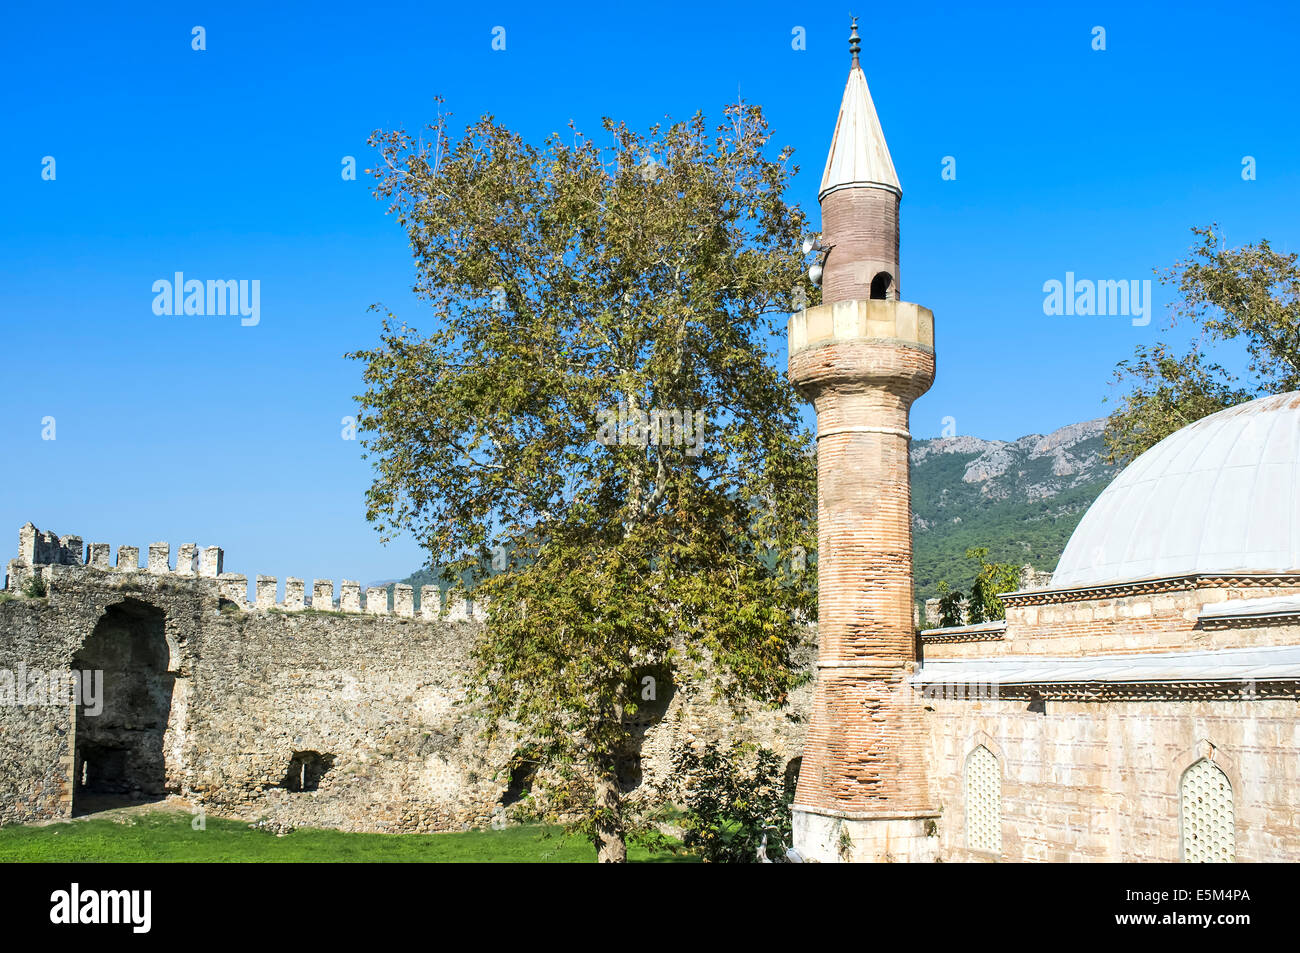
(166, 837)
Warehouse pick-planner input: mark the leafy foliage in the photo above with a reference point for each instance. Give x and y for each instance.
(951, 603)
(737, 798)
(1251, 294)
(567, 281)
(1169, 392)
(983, 604)
(992, 580)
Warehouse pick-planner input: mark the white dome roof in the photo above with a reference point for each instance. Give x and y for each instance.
(1220, 495)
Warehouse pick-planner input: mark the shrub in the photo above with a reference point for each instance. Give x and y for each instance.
(734, 796)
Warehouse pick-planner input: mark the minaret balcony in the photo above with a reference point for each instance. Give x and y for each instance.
(864, 342)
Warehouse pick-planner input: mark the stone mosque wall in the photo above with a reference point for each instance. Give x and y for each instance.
(1097, 769)
(1094, 780)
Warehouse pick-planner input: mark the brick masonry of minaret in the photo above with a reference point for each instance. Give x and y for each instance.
(862, 224)
(865, 747)
(863, 791)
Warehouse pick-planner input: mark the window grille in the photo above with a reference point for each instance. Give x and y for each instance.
(1208, 833)
(983, 801)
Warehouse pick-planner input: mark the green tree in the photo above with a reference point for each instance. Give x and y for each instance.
(1251, 294)
(589, 302)
(991, 581)
(737, 800)
(951, 602)
(983, 605)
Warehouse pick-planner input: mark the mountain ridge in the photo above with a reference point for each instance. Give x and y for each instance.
(1020, 498)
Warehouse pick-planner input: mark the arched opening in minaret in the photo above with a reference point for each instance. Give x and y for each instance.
(880, 286)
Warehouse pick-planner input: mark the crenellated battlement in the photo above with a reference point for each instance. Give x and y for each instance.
(39, 550)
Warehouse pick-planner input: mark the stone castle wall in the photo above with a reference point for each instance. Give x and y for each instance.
(303, 714)
(38, 552)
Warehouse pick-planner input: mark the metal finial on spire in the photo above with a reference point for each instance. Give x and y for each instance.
(858, 156)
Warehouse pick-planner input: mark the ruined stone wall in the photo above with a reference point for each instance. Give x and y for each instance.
(373, 697)
(302, 715)
(692, 717)
(377, 698)
(1100, 781)
(35, 754)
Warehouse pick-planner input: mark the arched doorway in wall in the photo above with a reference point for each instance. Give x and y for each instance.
(118, 737)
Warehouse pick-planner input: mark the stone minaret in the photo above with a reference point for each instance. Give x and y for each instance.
(862, 357)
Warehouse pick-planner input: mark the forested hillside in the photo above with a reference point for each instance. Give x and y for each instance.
(1021, 499)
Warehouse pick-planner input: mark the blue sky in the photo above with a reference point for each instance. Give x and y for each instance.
(225, 163)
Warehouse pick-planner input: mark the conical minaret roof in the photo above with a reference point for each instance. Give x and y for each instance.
(859, 156)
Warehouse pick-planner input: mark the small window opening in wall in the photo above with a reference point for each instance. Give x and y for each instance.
(628, 769)
(521, 782)
(306, 768)
(880, 285)
(792, 776)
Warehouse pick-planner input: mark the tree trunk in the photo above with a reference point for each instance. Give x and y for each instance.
(611, 847)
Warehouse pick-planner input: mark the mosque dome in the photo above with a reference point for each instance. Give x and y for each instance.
(1218, 496)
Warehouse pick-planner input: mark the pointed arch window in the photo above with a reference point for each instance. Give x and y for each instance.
(983, 801)
(1208, 825)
